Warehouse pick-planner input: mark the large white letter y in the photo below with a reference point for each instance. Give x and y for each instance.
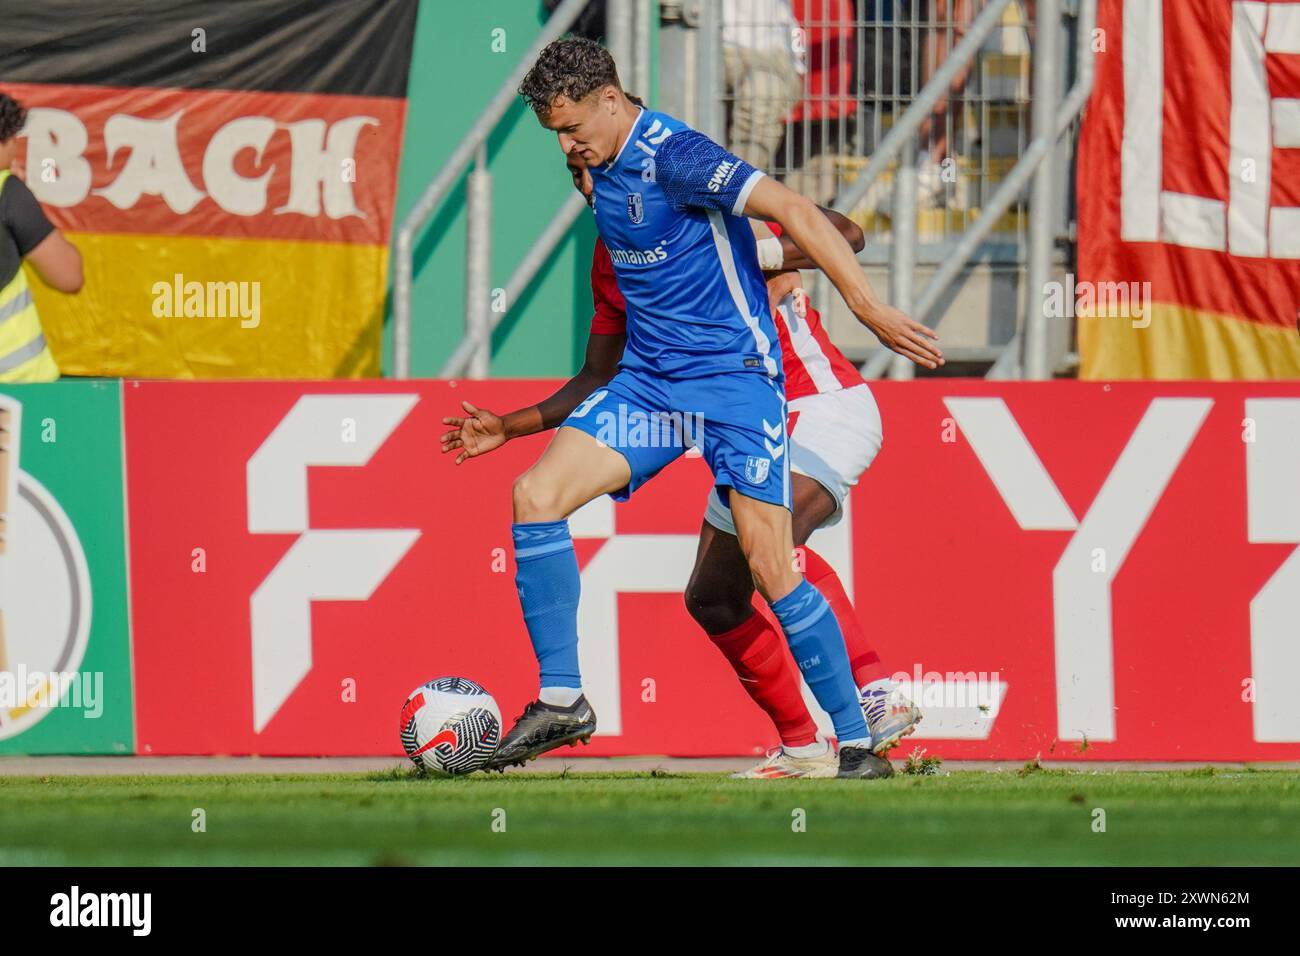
(1085, 680)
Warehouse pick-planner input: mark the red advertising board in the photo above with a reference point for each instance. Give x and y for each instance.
(1076, 570)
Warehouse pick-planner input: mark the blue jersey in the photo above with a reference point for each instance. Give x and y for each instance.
(669, 207)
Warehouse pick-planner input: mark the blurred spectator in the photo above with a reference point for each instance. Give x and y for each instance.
(828, 45)
(823, 123)
(25, 233)
(948, 23)
(764, 75)
(907, 41)
(888, 77)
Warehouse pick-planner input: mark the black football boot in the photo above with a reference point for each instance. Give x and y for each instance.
(544, 727)
(860, 763)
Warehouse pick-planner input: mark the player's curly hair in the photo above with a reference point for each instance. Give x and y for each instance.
(573, 67)
(12, 118)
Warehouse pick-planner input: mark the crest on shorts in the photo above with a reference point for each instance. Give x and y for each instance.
(756, 469)
(635, 207)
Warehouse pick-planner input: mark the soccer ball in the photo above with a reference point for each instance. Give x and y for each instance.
(450, 725)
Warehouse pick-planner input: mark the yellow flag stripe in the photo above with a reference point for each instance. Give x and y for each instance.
(248, 308)
(1185, 343)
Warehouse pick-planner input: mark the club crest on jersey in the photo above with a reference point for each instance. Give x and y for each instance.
(756, 469)
(635, 207)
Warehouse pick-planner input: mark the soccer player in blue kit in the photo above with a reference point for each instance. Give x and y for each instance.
(670, 205)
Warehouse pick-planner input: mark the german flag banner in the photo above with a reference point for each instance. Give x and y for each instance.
(1189, 192)
(228, 172)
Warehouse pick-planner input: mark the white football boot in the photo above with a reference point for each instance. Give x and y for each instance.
(891, 715)
(781, 765)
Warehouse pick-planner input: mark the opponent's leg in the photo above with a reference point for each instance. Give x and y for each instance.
(720, 598)
(811, 506)
(574, 469)
(764, 532)
(719, 595)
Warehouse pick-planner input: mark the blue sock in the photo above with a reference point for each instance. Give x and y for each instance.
(547, 578)
(818, 648)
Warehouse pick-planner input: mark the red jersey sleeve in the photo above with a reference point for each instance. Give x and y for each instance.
(776, 228)
(611, 309)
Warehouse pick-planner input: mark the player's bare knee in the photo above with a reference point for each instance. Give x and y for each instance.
(535, 499)
(697, 606)
(716, 612)
(696, 600)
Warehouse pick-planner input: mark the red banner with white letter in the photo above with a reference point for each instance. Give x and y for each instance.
(1075, 570)
(1189, 192)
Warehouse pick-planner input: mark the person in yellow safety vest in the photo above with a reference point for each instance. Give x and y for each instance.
(26, 233)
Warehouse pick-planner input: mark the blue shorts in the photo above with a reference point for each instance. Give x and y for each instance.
(736, 420)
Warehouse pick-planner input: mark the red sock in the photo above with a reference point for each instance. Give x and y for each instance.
(767, 672)
(862, 658)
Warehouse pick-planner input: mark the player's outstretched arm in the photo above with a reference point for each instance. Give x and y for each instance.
(826, 247)
(482, 431)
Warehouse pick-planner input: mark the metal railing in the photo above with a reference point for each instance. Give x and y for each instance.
(935, 94)
(903, 136)
(627, 29)
(1051, 120)
(863, 64)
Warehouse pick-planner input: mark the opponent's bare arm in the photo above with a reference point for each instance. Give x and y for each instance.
(825, 246)
(792, 257)
(482, 431)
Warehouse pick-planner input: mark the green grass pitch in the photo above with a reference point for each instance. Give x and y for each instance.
(1042, 817)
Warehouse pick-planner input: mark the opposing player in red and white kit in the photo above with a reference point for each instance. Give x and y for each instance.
(835, 433)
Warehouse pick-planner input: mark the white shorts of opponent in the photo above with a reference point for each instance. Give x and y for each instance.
(835, 436)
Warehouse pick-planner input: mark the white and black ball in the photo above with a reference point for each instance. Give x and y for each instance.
(450, 725)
